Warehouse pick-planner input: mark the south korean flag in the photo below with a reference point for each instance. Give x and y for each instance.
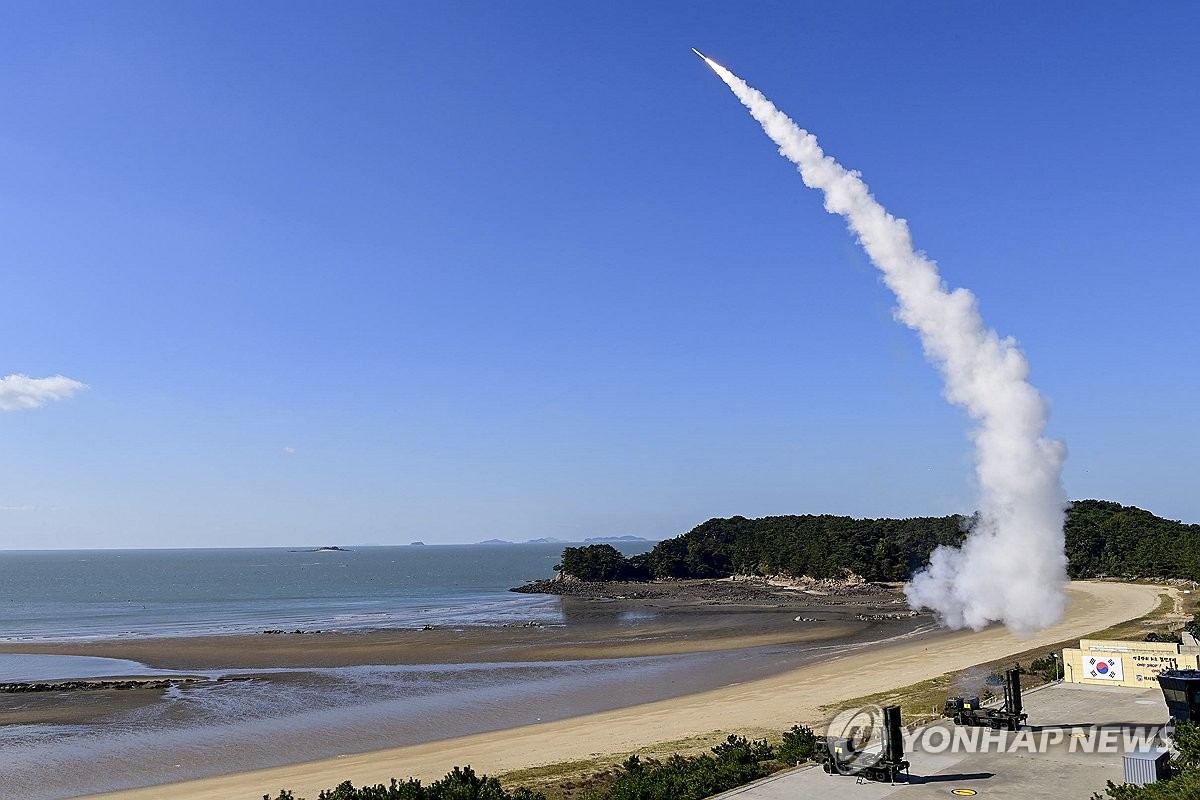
(1107, 669)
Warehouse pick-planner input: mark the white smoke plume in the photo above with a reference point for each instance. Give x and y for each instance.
(1012, 567)
(19, 392)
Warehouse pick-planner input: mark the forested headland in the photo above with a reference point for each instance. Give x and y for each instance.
(1103, 539)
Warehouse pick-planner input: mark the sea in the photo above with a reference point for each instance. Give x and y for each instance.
(272, 717)
(108, 594)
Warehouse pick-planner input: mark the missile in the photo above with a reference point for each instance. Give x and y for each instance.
(707, 60)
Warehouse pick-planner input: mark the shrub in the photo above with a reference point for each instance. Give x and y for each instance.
(460, 784)
(734, 762)
(1046, 668)
(1185, 784)
(798, 745)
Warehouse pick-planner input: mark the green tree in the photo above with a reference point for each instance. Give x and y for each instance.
(596, 562)
(798, 745)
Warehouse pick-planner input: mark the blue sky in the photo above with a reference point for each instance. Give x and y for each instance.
(380, 272)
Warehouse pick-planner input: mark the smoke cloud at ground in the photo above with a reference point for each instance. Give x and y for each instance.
(1012, 567)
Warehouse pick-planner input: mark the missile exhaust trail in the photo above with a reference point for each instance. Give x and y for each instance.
(1012, 567)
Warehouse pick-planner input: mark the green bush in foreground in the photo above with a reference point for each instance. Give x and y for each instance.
(1184, 785)
(460, 784)
(798, 745)
(734, 762)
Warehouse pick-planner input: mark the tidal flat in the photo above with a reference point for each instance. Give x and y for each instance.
(270, 699)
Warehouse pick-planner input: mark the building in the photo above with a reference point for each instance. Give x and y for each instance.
(1123, 663)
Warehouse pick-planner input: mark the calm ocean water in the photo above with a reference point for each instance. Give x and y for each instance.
(65, 595)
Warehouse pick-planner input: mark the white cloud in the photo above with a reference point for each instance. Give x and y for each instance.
(19, 392)
(291, 451)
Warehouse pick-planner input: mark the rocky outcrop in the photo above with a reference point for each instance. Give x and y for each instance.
(737, 590)
(21, 687)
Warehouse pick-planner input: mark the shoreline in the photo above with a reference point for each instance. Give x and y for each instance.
(774, 702)
(311, 696)
(616, 621)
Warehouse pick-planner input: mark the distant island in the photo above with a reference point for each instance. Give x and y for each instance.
(553, 540)
(596, 539)
(329, 549)
(417, 544)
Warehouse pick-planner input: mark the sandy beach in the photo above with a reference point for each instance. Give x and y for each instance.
(774, 702)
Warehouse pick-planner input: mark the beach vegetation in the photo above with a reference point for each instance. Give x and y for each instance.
(1047, 668)
(1186, 740)
(798, 745)
(1184, 786)
(1184, 783)
(461, 783)
(733, 762)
